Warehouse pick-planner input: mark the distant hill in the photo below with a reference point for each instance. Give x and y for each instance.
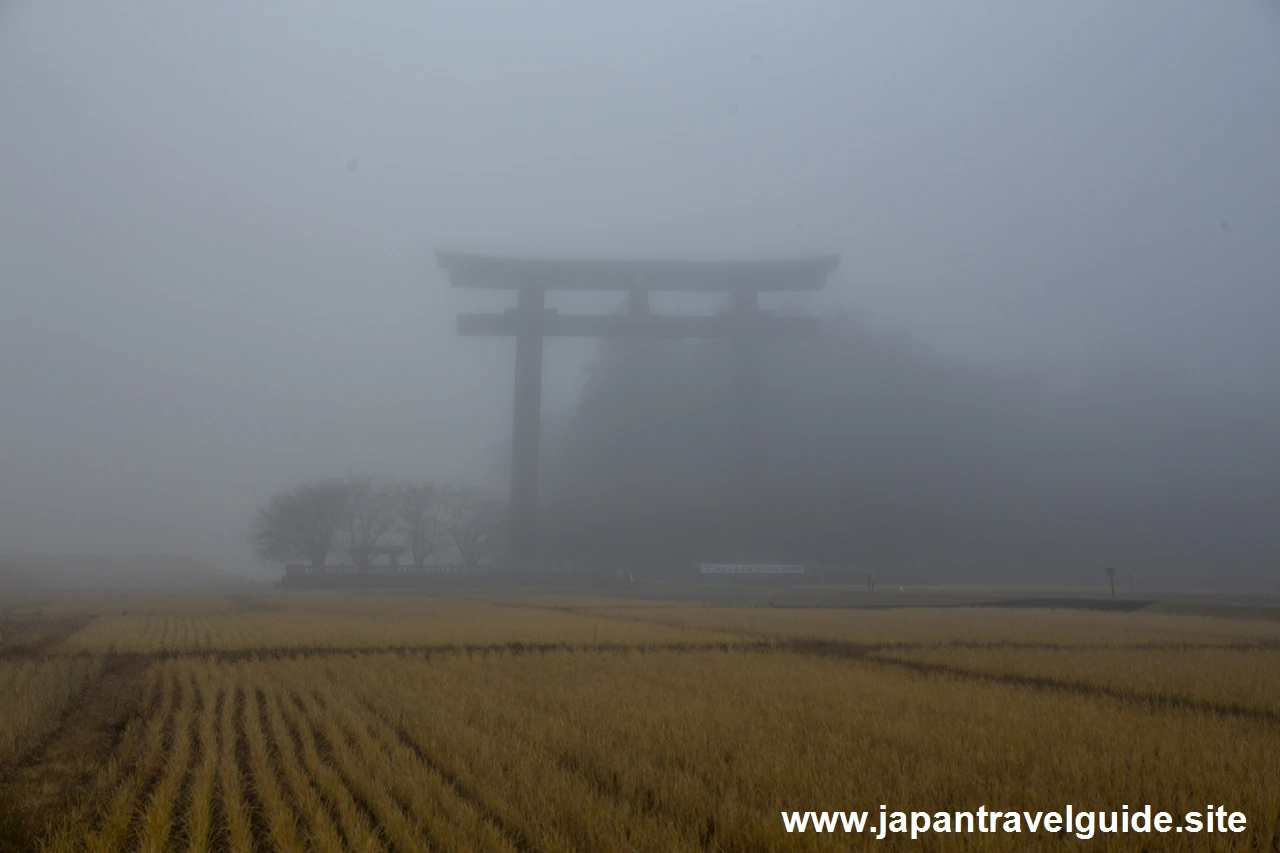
(111, 573)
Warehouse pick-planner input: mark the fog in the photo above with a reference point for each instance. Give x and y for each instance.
(217, 226)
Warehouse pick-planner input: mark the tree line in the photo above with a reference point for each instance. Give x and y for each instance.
(362, 518)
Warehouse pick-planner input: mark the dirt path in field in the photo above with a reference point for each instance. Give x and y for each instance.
(59, 771)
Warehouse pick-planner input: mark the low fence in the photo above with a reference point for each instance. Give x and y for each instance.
(766, 574)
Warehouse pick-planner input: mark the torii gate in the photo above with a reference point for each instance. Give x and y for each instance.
(532, 321)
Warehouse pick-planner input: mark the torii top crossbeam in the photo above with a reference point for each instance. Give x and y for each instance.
(532, 321)
(501, 273)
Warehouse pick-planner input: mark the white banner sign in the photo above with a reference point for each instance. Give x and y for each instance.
(751, 569)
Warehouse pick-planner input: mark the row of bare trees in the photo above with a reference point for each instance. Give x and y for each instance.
(364, 518)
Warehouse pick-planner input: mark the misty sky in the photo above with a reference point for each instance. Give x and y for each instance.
(217, 219)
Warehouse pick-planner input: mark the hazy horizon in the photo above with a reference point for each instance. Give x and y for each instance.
(217, 222)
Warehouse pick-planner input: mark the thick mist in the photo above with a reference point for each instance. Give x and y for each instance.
(873, 450)
(217, 224)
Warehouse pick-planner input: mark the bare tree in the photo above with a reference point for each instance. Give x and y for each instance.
(300, 523)
(1111, 574)
(422, 510)
(372, 510)
(474, 523)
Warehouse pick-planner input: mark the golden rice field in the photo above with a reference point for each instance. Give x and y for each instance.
(32, 692)
(1241, 678)
(385, 723)
(364, 622)
(952, 625)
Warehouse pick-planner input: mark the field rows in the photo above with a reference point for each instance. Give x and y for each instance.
(236, 757)
(648, 727)
(32, 693)
(604, 751)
